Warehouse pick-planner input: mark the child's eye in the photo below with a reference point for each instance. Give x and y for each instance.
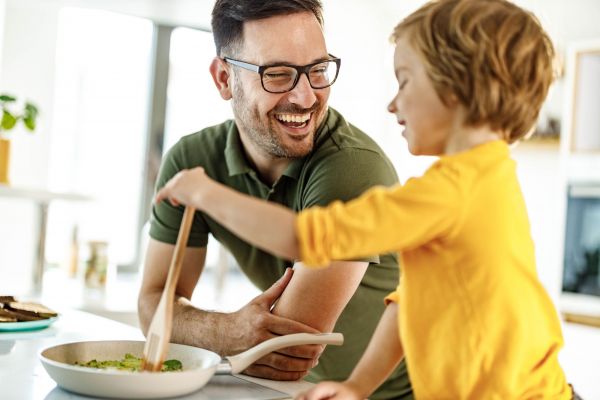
(403, 84)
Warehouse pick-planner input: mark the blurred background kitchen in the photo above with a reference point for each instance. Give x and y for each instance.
(117, 82)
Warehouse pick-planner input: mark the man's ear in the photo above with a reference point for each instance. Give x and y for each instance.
(220, 74)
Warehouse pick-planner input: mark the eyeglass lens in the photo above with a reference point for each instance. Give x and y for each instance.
(282, 78)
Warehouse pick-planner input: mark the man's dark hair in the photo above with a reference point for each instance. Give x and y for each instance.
(228, 17)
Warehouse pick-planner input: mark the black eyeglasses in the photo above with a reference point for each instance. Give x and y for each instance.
(281, 78)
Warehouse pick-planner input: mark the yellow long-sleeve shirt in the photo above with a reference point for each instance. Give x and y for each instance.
(474, 320)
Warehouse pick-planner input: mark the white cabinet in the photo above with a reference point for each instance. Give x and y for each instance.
(582, 106)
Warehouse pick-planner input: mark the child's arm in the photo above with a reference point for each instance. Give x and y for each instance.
(379, 360)
(267, 225)
(380, 220)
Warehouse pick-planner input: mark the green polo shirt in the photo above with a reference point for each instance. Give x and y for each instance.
(343, 164)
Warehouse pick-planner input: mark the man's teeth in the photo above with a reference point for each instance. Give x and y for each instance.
(293, 118)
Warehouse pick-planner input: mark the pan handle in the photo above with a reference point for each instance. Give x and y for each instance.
(241, 361)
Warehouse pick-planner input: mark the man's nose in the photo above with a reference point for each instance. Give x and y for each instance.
(303, 94)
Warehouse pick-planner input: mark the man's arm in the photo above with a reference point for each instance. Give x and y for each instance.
(315, 298)
(223, 333)
(318, 297)
(156, 268)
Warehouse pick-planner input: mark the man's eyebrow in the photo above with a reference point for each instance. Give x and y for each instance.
(285, 62)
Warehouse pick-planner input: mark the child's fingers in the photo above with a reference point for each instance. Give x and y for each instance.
(324, 390)
(179, 184)
(301, 396)
(164, 194)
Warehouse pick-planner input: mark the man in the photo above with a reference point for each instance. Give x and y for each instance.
(287, 146)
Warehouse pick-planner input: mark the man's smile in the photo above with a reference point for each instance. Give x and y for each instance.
(296, 125)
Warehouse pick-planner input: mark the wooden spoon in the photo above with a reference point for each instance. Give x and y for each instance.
(159, 332)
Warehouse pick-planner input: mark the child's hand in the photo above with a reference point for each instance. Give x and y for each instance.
(331, 390)
(187, 188)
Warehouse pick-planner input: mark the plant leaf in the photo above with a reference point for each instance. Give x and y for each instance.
(29, 116)
(31, 110)
(8, 120)
(5, 98)
(29, 123)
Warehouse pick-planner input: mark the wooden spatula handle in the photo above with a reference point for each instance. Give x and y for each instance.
(177, 260)
(159, 331)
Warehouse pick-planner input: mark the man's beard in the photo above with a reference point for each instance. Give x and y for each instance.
(266, 137)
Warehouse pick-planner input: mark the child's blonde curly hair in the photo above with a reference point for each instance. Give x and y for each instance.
(492, 55)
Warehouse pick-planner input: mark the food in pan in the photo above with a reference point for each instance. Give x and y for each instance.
(12, 310)
(130, 363)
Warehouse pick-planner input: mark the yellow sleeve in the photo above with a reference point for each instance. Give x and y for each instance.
(384, 219)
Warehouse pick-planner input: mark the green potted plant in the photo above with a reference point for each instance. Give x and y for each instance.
(12, 112)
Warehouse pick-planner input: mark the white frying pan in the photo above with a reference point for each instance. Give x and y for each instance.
(199, 366)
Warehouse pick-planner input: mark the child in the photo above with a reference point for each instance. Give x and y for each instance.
(473, 319)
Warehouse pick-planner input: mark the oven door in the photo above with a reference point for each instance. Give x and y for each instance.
(581, 261)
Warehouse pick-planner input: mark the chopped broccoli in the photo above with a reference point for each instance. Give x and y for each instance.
(130, 363)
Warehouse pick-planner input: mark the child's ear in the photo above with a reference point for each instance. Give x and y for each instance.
(451, 99)
(221, 75)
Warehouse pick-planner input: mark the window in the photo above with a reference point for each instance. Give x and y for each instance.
(193, 100)
(99, 129)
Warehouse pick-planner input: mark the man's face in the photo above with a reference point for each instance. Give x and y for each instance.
(280, 124)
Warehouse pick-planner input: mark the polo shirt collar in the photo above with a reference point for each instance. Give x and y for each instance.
(234, 153)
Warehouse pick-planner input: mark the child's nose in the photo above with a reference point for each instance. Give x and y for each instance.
(391, 107)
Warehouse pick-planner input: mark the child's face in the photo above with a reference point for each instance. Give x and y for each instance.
(428, 123)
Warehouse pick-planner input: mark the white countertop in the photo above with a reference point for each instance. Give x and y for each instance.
(580, 357)
(24, 378)
(39, 195)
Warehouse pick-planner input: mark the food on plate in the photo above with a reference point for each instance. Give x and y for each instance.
(6, 299)
(6, 316)
(12, 310)
(130, 363)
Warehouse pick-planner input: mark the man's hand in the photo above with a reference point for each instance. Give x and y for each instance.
(254, 323)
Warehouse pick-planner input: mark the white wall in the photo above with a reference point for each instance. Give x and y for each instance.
(2, 12)
(26, 69)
